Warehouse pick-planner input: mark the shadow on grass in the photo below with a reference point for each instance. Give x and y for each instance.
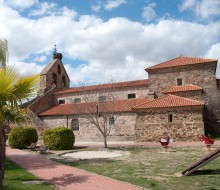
(207, 172)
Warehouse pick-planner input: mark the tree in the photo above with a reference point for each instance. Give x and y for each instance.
(99, 111)
(13, 89)
(3, 52)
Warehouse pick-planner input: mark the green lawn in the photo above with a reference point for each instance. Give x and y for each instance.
(15, 175)
(152, 169)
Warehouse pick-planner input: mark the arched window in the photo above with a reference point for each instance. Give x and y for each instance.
(75, 124)
(63, 81)
(54, 77)
(58, 69)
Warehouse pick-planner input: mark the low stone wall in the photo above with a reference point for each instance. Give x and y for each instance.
(187, 125)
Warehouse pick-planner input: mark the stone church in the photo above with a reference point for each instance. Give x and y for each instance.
(180, 96)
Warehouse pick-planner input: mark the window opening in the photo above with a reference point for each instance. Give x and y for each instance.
(63, 81)
(58, 69)
(170, 118)
(179, 82)
(102, 98)
(111, 120)
(54, 77)
(61, 101)
(75, 124)
(77, 100)
(133, 95)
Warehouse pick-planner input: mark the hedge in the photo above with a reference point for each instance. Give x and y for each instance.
(20, 137)
(59, 138)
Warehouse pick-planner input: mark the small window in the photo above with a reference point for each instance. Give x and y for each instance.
(170, 118)
(75, 124)
(111, 120)
(61, 101)
(102, 98)
(77, 100)
(179, 82)
(133, 95)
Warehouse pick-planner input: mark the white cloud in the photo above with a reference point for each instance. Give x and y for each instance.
(41, 59)
(205, 9)
(95, 8)
(44, 8)
(112, 4)
(214, 53)
(118, 47)
(25, 68)
(21, 4)
(148, 12)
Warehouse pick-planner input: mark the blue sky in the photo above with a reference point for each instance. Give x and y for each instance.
(108, 38)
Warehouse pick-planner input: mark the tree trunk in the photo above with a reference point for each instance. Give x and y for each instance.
(2, 155)
(105, 142)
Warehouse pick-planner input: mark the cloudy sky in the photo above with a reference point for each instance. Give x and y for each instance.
(104, 38)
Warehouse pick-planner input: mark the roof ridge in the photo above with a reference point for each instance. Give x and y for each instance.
(190, 99)
(95, 87)
(181, 61)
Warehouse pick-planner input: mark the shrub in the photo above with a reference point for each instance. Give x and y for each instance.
(59, 138)
(20, 137)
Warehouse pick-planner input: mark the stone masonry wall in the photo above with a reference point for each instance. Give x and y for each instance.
(91, 96)
(187, 124)
(202, 75)
(43, 102)
(124, 126)
(46, 79)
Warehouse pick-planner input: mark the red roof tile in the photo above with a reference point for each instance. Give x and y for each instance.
(135, 83)
(181, 61)
(183, 88)
(169, 101)
(91, 107)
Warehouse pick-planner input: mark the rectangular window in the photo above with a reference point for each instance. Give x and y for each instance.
(77, 100)
(170, 118)
(133, 95)
(102, 98)
(61, 101)
(111, 120)
(179, 82)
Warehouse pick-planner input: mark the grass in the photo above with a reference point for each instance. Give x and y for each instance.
(152, 169)
(15, 175)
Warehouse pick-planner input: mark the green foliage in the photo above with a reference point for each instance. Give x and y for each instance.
(20, 137)
(15, 176)
(59, 138)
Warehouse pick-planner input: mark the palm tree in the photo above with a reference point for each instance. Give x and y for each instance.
(13, 89)
(3, 52)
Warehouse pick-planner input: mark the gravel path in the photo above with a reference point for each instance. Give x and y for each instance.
(101, 154)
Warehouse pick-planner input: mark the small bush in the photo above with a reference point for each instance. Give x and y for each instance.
(59, 138)
(20, 137)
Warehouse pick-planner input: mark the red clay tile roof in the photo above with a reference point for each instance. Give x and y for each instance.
(91, 107)
(135, 83)
(183, 88)
(169, 101)
(181, 61)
